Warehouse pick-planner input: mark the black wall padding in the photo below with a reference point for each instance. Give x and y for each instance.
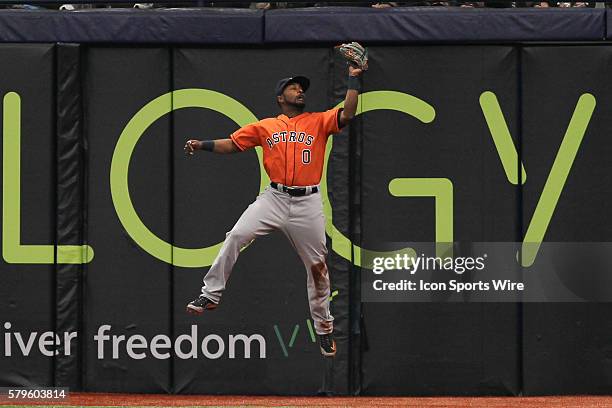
(341, 187)
(439, 348)
(566, 347)
(27, 292)
(125, 287)
(433, 24)
(76, 100)
(71, 172)
(202, 26)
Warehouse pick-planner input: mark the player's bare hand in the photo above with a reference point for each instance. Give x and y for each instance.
(353, 71)
(191, 146)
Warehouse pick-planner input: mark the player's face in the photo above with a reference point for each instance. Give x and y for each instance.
(294, 95)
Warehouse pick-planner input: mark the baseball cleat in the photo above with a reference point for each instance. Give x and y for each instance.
(200, 304)
(328, 344)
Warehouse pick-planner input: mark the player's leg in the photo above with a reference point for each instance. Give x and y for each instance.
(260, 218)
(305, 229)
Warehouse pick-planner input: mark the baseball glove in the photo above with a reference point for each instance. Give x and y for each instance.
(355, 54)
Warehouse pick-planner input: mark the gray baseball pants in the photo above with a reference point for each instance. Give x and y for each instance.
(302, 221)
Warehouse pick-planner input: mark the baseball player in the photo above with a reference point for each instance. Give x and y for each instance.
(293, 150)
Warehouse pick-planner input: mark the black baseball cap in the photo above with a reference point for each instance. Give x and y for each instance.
(282, 84)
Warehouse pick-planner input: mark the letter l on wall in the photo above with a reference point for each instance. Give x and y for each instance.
(12, 249)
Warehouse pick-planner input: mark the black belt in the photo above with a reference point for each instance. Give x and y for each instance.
(294, 191)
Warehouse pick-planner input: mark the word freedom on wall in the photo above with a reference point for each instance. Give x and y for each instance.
(136, 346)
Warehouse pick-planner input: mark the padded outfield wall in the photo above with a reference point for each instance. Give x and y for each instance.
(108, 228)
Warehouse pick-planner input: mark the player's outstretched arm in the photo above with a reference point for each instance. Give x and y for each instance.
(352, 93)
(223, 146)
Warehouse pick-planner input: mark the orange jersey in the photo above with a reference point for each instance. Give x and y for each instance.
(293, 148)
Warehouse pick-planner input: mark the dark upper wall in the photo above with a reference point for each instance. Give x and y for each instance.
(311, 25)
